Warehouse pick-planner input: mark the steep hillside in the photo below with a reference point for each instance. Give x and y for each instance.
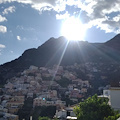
(60, 51)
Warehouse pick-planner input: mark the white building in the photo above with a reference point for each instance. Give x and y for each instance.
(61, 114)
(113, 94)
(106, 93)
(115, 98)
(33, 67)
(66, 113)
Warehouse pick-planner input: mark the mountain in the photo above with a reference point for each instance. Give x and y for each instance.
(63, 52)
(114, 42)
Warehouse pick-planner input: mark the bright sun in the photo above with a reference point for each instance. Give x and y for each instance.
(73, 29)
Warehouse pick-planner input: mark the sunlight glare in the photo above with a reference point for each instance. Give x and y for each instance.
(73, 29)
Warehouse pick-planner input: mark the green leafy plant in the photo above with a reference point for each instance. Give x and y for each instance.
(95, 108)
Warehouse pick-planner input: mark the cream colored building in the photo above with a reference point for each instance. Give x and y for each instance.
(9, 85)
(13, 109)
(39, 101)
(15, 103)
(52, 94)
(18, 98)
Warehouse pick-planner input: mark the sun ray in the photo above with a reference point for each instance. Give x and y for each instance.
(65, 44)
(60, 60)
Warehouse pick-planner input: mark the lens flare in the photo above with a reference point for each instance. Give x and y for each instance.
(73, 29)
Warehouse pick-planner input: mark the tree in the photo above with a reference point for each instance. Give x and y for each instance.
(64, 82)
(112, 117)
(26, 110)
(43, 118)
(95, 108)
(44, 111)
(46, 118)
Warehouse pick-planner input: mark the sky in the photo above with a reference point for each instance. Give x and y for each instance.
(26, 24)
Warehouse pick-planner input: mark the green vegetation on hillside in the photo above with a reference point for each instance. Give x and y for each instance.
(64, 82)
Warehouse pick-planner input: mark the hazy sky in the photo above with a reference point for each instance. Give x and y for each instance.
(29, 23)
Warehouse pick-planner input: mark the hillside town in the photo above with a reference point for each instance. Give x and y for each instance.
(48, 87)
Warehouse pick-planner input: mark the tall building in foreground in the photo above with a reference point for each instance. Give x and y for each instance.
(113, 93)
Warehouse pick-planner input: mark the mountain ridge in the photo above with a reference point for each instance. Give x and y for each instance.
(60, 51)
(114, 42)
